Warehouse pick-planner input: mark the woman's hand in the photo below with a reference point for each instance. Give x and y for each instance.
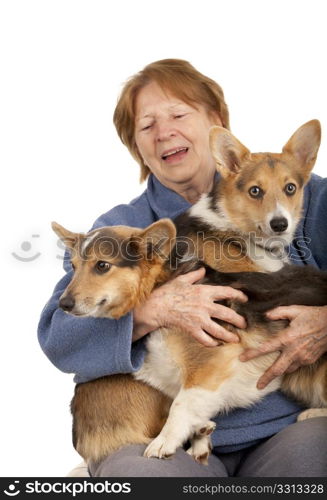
(301, 343)
(190, 307)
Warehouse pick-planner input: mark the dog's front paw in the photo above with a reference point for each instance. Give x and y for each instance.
(160, 448)
(312, 413)
(201, 446)
(200, 449)
(206, 429)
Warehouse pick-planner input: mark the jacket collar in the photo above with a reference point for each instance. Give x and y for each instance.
(163, 201)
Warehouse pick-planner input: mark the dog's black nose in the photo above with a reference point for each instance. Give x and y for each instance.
(279, 224)
(67, 303)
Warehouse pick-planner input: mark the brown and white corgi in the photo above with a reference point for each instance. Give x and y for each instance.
(183, 384)
(254, 209)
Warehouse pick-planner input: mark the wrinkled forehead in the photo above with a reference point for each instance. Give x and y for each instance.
(153, 96)
(269, 169)
(109, 244)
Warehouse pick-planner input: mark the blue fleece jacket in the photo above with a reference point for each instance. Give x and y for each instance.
(94, 347)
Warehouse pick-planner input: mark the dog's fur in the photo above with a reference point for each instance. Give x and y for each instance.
(182, 384)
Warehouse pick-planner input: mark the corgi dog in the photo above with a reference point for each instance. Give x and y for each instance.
(254, 209)
(183, 384)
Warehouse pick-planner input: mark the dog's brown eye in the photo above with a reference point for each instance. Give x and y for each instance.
(102, 266)
(255, 192)
(290, 188)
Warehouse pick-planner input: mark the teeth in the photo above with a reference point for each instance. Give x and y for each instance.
(174, 152)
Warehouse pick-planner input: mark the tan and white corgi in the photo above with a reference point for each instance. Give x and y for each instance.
(183, 384)
(253, 211)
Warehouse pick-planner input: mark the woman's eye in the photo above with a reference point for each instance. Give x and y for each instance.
(179, 116)
(102, 266)
(290, 188)
(255, 192)
(147, 127)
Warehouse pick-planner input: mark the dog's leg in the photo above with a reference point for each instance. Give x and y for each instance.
(200, 449)
(190, 411)
(201, 446)
(193, 407)
(312, 413)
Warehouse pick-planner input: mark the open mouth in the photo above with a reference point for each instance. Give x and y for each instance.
(173, 154)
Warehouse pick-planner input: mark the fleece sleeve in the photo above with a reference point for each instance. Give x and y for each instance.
(315, 222)
(90, 347)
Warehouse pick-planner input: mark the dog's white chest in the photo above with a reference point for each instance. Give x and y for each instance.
(267, 260)
(159, 369)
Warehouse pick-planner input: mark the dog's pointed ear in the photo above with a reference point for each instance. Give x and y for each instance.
(304, 144)
(159, 239)
(68, 238)
(228, 151)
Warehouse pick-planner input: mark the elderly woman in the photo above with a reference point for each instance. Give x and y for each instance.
(163, 116)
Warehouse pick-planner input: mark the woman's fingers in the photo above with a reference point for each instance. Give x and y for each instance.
(293, 366)
(285, 363)
(277, 369)
(192, 277)
(227, 292)
(205, 339)
(229, 315)
(283, 312)
(266, 347)
(219, 332)
(216, 292)
(191, 307)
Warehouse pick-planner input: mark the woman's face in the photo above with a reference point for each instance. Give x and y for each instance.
(173, 137)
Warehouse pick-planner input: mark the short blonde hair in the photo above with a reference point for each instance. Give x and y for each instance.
(177, 77)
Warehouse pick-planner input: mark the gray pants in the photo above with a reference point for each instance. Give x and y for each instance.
(299, 450)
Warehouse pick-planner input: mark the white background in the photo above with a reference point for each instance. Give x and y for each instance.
(62, 66)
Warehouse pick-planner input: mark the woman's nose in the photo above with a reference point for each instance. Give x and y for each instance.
(165, 130)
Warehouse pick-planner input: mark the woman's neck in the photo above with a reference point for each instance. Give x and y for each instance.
(192, 190)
